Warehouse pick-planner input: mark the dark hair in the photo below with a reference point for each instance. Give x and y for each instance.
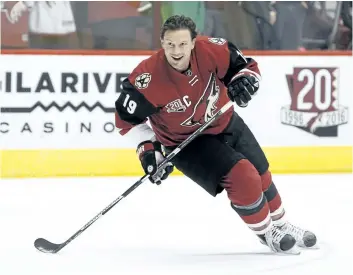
(179, 22)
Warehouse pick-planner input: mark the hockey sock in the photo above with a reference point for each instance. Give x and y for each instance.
(244, 188)
(273, 198)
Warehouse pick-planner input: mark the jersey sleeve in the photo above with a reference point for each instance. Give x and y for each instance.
(132, 110)
(229, 60)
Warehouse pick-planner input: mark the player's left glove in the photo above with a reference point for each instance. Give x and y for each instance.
(243, 87)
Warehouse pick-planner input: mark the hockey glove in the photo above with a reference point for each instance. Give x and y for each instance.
(243, 87)
(150, 155)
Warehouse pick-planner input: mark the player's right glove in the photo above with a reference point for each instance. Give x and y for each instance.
(150, 155)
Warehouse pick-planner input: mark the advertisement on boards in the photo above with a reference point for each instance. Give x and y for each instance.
(61, 101)
(315, 101)
(302, 101)
(53, 95)
(68, 101)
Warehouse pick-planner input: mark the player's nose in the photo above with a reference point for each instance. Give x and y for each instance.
(177, 50)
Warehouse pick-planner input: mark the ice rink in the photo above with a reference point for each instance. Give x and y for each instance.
(175, 228)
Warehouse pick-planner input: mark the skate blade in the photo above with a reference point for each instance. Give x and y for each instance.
(314, 247)
(295, 250)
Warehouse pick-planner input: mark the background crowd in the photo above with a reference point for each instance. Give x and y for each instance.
(135, 25)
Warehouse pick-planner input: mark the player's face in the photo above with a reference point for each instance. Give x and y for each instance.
(177, 46)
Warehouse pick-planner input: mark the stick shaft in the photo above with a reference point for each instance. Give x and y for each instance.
(145, 177)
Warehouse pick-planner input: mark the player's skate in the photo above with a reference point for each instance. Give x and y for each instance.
(279, 241)
(304, 238)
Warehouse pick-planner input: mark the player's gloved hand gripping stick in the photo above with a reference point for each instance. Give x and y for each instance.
(45, 246)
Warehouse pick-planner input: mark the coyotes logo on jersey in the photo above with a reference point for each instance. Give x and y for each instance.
(206, 106)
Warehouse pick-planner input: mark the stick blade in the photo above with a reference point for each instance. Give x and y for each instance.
(45, 246)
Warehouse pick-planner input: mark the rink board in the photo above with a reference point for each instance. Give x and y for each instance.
(61, 163)
(58, 120)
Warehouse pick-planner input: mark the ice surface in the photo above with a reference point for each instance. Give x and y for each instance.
(175, 228)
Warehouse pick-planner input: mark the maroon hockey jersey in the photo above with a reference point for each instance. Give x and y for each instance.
(179, 103)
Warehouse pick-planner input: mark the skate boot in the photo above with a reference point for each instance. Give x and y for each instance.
(279, 242)
(304, 238)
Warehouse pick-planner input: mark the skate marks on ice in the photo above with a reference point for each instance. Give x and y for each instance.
(151, 260)
(263, 262)
(161, 260)
(165, 230)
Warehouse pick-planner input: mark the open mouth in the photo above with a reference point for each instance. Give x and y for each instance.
(177, 58)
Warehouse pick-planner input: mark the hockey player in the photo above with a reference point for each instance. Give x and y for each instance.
(179, 88)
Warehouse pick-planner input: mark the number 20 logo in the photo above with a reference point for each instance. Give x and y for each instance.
(320, 83)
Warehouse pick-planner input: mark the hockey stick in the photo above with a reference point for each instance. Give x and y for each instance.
(48, 247)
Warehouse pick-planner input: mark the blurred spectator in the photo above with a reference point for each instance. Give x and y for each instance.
(14, 33)
(119, 25)
(50, 23)
(346, 14)
(289, 22)
(196, 10)
(318, 27)
(214, 22)
(250, 24)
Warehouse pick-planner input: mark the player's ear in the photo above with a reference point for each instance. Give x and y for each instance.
(193, 43)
